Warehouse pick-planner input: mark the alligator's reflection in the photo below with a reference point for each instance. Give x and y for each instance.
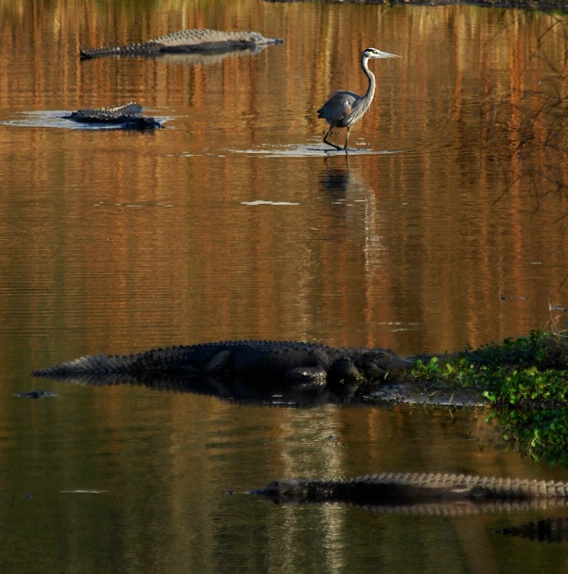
(546, 530)
(238, 390)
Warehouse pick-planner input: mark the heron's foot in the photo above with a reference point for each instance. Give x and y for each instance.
(338, 148)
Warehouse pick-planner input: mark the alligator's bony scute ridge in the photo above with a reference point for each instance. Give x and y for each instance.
(200, 40)
(422, 491)
(300, 365)
(129, 116)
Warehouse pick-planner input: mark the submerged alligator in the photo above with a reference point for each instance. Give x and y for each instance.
(188, 41)
(423, 493)
(35, 394)
(297, 365)
(128, 116)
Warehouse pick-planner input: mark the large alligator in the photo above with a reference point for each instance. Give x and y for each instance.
(199, 40)
(425, 493)
(129, 116)
(296, 365)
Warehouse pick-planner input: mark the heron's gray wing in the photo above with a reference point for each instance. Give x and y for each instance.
(338, 106)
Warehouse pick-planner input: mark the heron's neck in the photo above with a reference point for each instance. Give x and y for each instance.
(370, 93)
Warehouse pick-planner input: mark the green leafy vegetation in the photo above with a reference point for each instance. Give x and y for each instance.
(540, 433)
(528, 371)
(525, 379)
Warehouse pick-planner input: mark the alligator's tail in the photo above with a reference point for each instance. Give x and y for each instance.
(90, 364)
(149, 48)
(155, 360)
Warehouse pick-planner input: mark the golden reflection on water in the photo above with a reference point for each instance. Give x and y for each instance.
(234, 222)
(368, 251)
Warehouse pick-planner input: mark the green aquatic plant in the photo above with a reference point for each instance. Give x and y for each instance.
(524, 379)
(540, 433)
(527, 371)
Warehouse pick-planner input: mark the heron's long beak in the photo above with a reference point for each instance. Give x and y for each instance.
(386, 55)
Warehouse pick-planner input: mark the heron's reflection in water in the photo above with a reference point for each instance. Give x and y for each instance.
(354, 207)
(334, 179)
(342, 183)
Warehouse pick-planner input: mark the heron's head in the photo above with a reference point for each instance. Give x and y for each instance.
(373, 53)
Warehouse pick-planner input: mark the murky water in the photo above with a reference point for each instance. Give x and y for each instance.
(442, 227)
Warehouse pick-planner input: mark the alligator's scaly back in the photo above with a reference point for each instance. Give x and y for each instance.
(188, 41)
(426, 491)
(129, 115)
(207, 358)
(131, 109)
(295, 364)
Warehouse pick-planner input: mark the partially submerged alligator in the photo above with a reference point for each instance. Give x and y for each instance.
(298, 365)
(423, 493)
(35, 394)
(188, 41)
(128, 116)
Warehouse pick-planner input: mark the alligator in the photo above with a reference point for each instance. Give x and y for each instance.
(297, 365)
(199, 40)
(423, 493)
(129, 116)
(35, 394)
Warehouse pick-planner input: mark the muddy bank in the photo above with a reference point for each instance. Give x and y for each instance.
(413, 394)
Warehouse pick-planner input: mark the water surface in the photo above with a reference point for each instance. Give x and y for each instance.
(438, 230)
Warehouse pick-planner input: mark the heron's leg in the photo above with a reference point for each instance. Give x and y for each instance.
(328, 142)
(346, 138)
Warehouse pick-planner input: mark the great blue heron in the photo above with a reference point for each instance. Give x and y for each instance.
(344, 108)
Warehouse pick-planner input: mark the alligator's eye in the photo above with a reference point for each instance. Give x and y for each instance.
(371, 368)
